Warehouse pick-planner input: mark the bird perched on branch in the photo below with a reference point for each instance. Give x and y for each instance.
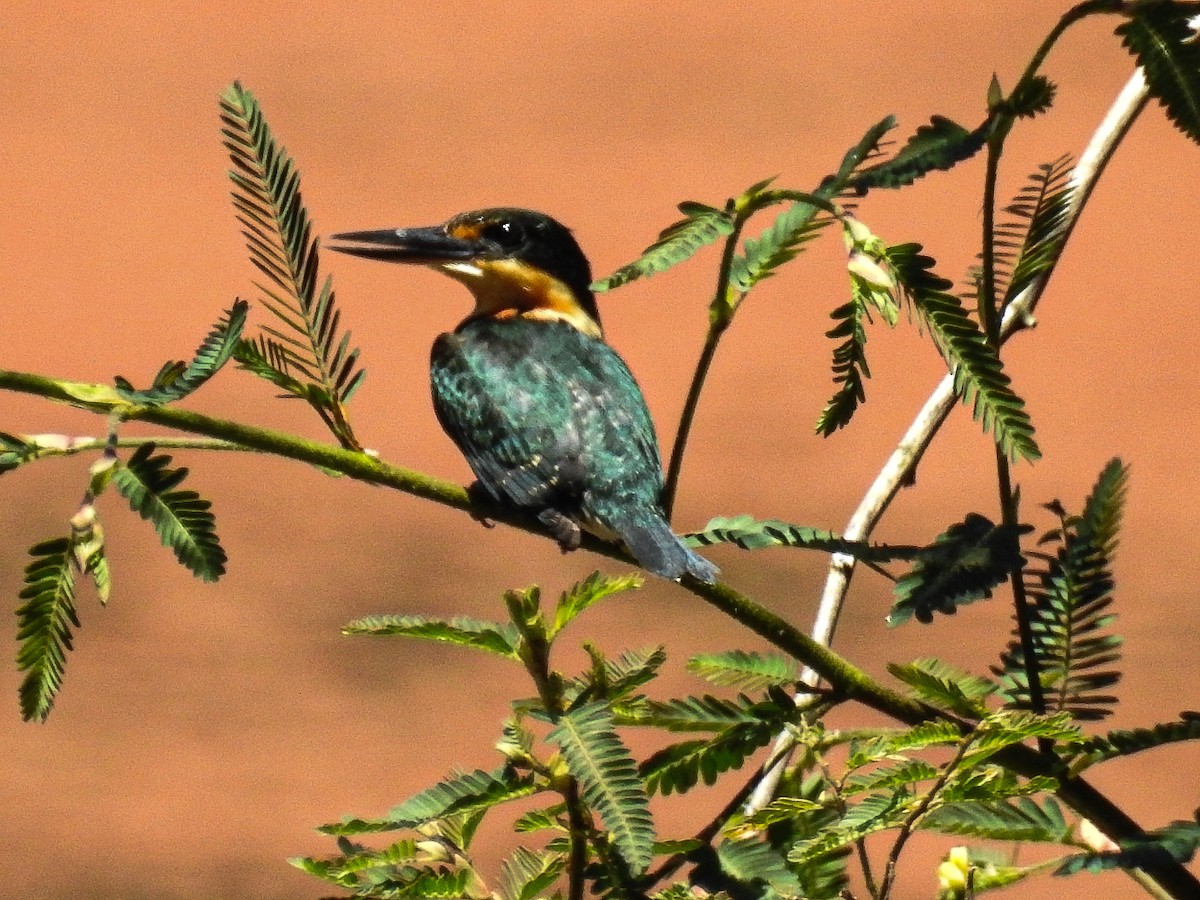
(546, 413)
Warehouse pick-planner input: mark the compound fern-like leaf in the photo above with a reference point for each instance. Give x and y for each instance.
(526, 875)
(744, 671)
(757, 534)
(938, 146)
(608, 779)
(961, 566)
(979, 377)
(700, 226)
(1070, 597)
(1161, 37)
(182, 518)
(1028, 245)
(175, 381)
(1177, 842)
(494, 638)
(44, 623)
(591, 590)
(1134, 740)
(1002, 820)
(279, 237)
(460, 793)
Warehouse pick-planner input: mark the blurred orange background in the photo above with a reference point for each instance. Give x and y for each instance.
(204, 730)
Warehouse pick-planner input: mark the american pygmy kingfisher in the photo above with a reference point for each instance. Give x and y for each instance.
(548, 415)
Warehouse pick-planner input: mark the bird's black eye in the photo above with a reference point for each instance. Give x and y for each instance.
(508, 235)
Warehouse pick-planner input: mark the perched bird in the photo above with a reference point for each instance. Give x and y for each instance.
(546, 413)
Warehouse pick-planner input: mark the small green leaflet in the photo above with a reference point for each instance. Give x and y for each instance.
(743, 670)
(701, 226)
(754, 534)
(608, 779)
(591, 590)
(940, 145)
(176, 380)
(963, 565)
(1160, 36)
(492, 637)
(459, 793)
(182, 518)
(44, 624)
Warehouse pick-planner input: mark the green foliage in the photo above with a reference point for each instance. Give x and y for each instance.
(963, 565)
(460, 793)
(182, 518)
(614, 679)
(591, 590)
(754, 863)
(1070, 595)
(1002, 820)
(779, 243)
(744, 671)
(1028, 245)
(461, 630)
(757, 534)
(1176, 842)
(938, 146)
(1160, 36)
(1123, 742)
(979, 377)
(700, 226)
(941, 685)
(526, 874)
(176, 380)
(44, 623)
(850, 367)
(309, 347)
(609, 780)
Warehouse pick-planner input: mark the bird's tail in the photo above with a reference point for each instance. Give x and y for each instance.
(650, 539)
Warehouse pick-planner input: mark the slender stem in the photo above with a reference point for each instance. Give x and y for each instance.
(909, 824)
(671, 486)
(848, 680)
(989, 318)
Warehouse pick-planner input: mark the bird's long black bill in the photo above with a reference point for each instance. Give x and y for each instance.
(405, 245)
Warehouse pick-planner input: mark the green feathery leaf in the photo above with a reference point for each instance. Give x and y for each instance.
(279, 237)
(176, 380)
(614, 679)
(270, 360)
(592, 589)
(877, 812)
(1134, 740)
(850, 367)
(701, 226)
(963, 565)
(460, 793)
(465, 632)
(44, 623)
(756, 534)
(1176, 842)
(1070, 597)
(744, 671)
(944, 686)
(1031, 98)
(979, 377)
(181, 518)
(779, 243)
(608, 779)
(938, 146)
(752, 862)
(866, 149)
(526, 874)
(679, 767)
(1029, 244)
(919, 737)
(1002, 820)
(705, 713)
(890, 777)
(1161, 37)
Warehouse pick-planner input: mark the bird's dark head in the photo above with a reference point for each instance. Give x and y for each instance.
(516, 262)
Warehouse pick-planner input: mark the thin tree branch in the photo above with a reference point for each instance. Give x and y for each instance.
(899, 468)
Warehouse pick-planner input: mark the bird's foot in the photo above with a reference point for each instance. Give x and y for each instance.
(564, 529)
(480, 500)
